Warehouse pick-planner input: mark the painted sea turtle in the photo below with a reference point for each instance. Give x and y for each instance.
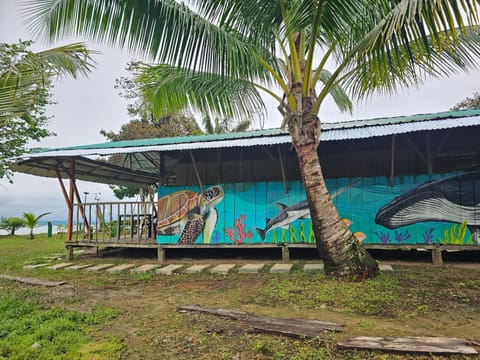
(189, 213)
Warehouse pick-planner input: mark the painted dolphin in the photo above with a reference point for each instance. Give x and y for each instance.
(300, 210)
(287, 215)
(454, 199)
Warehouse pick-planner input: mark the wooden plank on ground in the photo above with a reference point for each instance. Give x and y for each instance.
(433, 345)
(288, 327)
(214, 311)
(32, 281)
(292, 327)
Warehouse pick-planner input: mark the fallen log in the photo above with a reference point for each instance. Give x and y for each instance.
(297, 328)
(411, 344)
(32, 281)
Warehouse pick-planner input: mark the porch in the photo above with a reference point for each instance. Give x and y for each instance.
(107, 223)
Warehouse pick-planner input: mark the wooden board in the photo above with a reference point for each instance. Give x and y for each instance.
(433, 345)
(292, 327)
(32, 281)
(289, 327)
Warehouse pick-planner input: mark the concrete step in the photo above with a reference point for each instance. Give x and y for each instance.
(120, 268)
(195, 269)
(281, 268)
(145, 268)
(169, 269)
(59, 266)
(99, 267)
(251, 268)
(222, 269)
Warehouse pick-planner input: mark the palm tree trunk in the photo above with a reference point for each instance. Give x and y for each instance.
(342, 253)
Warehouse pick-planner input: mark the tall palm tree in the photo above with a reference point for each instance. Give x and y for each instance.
(218, 55)
(31, 221)
(25, 84)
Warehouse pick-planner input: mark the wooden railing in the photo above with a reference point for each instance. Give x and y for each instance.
(128, 222)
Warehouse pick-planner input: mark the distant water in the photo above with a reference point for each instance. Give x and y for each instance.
(42, 229)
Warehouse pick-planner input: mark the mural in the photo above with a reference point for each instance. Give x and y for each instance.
(417, 210)
(189, 213)
(454, 199)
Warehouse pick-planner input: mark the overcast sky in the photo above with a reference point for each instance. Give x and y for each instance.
(87, 105)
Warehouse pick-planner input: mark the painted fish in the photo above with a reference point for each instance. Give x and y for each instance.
(300, 210)
(287, 215)
(454, 199)
(360, 235)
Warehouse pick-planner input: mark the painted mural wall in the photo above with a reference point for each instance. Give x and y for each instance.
(438, 209)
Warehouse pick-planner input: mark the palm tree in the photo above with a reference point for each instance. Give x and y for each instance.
(20, 80)
(227, 125)
(217, 56)
(31, 221)
(25, 83)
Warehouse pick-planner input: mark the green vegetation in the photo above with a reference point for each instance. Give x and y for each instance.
(30, 331)
(125, 315)
(31, 221)
(457, 235)
(11, 224)
(26, 81)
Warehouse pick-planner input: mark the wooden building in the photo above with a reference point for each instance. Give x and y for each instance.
(402, 182)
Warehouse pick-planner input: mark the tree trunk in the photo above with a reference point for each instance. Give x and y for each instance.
(342, 253)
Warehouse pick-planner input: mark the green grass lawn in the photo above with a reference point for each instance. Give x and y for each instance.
(134, 316)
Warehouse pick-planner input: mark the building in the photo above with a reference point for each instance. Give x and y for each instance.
(402, 182)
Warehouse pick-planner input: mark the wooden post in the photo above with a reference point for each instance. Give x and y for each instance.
(428, 152)
(282, 168)
(70, 200)
(69, 252)
(161, 255)
(437, 259)
(197, 174)
(285, 253)
(392, 163)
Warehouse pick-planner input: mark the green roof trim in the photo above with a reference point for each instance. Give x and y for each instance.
(271, 132)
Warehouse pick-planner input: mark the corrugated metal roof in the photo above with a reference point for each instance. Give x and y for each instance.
(356, 129)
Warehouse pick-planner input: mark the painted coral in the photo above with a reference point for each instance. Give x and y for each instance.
(237, 233)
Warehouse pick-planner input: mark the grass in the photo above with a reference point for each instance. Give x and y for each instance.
(124, 316)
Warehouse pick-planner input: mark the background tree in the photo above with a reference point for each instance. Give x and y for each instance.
(216, 56)
(11, 224)
(468, 103)
(224, 126)
(25, 90)
(144, 124)
(32, 221)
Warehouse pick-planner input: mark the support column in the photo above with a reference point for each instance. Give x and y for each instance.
(437, 259)
(69, 252)
(161, 255)
(285, 253)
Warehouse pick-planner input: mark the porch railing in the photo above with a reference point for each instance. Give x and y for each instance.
(130, 222)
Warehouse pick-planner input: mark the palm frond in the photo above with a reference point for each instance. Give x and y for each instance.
(164, 31)
(169, 89)
(338, 95)
(23, 82)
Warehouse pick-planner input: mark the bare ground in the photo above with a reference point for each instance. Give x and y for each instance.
(436, 304)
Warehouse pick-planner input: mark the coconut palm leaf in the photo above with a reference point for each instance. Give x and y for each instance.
(164, 31)
(21, 80)
(170, 89)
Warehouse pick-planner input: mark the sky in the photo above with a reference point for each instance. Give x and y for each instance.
(86, 105)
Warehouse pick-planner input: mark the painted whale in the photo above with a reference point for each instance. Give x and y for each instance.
(300, 210)
(454, 199)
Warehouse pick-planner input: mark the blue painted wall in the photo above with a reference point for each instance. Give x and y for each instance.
(246, 208)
